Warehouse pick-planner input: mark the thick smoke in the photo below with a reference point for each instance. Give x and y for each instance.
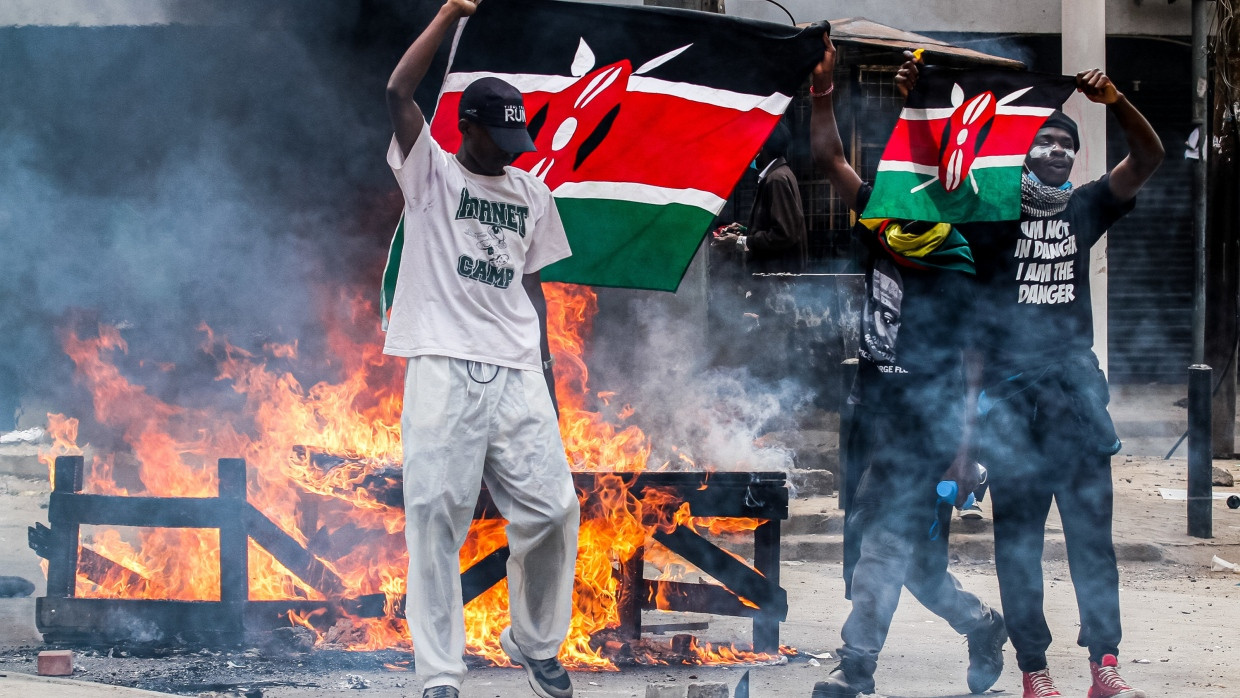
(229, 171)
(160, 177)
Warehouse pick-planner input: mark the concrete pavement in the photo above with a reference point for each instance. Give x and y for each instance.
(1180, 617)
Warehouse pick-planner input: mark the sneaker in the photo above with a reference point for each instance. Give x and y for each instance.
(1107, 681)
(971, 513)
(1038, 684)
(547, 676)
(986, 653)
(441, 692)
(838, 685)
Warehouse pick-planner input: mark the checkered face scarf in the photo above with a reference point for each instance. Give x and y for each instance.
(1038, 200)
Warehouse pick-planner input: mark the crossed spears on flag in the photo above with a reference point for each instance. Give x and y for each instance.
(598, 82)
(963, 136)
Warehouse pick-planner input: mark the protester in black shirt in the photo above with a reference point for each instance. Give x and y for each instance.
(911, 420)
(1045, 432)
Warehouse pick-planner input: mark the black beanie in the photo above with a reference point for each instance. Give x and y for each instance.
(1061, 120)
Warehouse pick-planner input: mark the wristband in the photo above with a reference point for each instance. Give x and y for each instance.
(824, 93)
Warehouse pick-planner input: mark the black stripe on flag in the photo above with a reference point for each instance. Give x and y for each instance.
(541, 37)
(934, 87)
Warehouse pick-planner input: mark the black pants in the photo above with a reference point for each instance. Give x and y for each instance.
(1038, 450)
(887, 534)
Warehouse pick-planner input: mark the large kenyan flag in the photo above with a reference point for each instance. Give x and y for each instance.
(644, 118)
(956, 152)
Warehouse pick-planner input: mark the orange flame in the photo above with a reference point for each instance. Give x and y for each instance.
(318, 459)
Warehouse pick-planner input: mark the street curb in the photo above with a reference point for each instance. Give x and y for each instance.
(972, 548)
(15, 685)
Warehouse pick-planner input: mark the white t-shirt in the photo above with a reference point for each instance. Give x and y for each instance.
(469, 238)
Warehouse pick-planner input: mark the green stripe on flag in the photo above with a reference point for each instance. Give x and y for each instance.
(606, 252)
(390, 271)
(899, 194)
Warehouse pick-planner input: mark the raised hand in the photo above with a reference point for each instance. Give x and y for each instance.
(906, 76)
(1097, 87)
(463, 7)
(824, 72)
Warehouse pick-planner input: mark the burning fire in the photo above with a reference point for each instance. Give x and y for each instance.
(330, 440)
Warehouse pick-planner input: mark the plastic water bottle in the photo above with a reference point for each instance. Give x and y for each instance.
(946, 491)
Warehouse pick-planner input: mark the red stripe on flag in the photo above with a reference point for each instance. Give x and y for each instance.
(654, 139)
(919, 141)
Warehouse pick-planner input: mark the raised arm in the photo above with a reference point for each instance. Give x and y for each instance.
(407, 119)
(824, 134)
(1145, 150)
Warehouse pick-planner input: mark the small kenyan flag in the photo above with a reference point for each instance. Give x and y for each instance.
(645, 118)
(956, 153)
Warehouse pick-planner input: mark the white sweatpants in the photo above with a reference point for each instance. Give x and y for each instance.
(497, 426)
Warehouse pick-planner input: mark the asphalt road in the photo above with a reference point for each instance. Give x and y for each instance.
(1181, 619)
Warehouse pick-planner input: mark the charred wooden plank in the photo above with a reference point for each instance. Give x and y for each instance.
(766, 562)
(732, 573)
(632, 592)
(484, 574)
(63, 558)
(234, 542)
(153, 512)
(762, 495)
(289, 552)
(153, 622)
(687, 597)
(103, 570)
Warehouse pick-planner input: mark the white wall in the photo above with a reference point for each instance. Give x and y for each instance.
(1123, 17)
(87, 13)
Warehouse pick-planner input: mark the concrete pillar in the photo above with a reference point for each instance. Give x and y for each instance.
(1083, 27)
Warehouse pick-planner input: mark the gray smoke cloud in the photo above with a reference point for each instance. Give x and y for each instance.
(228, 171)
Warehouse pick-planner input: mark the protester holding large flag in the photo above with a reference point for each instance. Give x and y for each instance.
(644, 120)
(469, 314)
(911, 425)
(1046, 433)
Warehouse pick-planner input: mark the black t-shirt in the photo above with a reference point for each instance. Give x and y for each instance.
(912, 329)
(1033, 281)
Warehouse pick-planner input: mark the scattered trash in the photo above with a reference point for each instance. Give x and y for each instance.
(32, 435)
(821, 655)
(355, 682)
(814, 662)
(1140, 661)
(1175, 495)
(1221, 565)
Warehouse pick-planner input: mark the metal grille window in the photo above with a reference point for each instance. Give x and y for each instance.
(867, 105)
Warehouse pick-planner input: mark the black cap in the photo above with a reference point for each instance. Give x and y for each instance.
(499, 107)
(1061, 120)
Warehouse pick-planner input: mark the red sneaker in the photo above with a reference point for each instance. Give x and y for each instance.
(1038, 684)
(1107, 681)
